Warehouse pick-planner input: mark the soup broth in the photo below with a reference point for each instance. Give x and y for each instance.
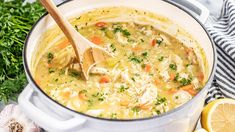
(151, 72)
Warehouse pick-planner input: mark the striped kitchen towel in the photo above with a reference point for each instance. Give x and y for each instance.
(222, 31)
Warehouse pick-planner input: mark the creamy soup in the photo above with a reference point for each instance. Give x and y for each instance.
(151, 72)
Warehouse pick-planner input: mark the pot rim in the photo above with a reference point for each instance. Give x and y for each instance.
(28, 73)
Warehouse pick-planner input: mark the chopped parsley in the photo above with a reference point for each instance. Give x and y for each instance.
(113, 116)
(143, 65)
(51, 70)
(145, 54)
(135, 109)
(136, 59)
(56, 80)
(95, 95)
(159, 42)
(122, 89)
(90, 102)
(173, 67)
(161, 58)
(103, 29)
(50, 57)
(142, 40)
(99, 95)
(176, 77)
(187, 65)
(160, 101)
(112, 46)
(133, 79)
(158, 112)
(74, 73)
(124, 32)
(82, 91)
(76, 28)
(117, 29)
(185, 81)
(130, 40)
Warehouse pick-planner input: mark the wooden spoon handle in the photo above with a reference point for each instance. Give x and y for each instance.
(63, 23)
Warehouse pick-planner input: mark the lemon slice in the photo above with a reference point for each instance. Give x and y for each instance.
(201, 130)
(219, 116)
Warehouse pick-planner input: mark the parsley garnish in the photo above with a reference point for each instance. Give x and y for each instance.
(122, 89)
(113, 47)
(74, 73)
(136, 59)
(161, 58)
(185, 81)
(173, 67)
(159, 42)
(176, 77)
(161, 101)
(51, 70)
(187, 65)
(145, 54)
(135, 109)
(113, 116)
(50, 57)
(124, 32)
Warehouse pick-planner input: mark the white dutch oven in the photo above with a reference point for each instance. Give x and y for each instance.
(54, 117)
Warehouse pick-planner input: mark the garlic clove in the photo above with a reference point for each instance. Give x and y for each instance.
(13, 120)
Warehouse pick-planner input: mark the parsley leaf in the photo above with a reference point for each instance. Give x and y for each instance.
(173, 67)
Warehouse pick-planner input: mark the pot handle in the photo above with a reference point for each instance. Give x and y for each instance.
(43, 119)
(199, 10)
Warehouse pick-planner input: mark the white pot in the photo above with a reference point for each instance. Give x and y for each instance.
(54, 117)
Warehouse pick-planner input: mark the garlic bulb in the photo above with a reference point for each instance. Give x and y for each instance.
(13, 120)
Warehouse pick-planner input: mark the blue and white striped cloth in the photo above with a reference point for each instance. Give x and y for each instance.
(222, 31)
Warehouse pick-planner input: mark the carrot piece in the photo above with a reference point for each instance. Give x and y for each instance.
(157, 81)
(37, 81)
(172, 90)
(65, 94)
(172, 76)
(137, 48)
(154, 42)
(124, 103)
(49, 65)
(96, 40)
(145, 106)
(147, 68)
(82, 96)
(100, 24)
(192, 91)
(63, 44)
(200, 76)
(189, 50)
(105, 79)
(189, 88)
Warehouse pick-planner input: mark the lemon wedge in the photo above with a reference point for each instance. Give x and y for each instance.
(219, 116)
(201, 130)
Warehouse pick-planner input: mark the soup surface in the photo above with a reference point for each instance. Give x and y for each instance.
(151, 72)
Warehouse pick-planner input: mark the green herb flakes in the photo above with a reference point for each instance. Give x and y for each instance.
(161, 58)
(173, 67)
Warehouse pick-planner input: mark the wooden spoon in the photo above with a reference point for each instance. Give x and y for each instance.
(88, 54)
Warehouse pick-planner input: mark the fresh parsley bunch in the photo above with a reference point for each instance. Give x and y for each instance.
(16, 20)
